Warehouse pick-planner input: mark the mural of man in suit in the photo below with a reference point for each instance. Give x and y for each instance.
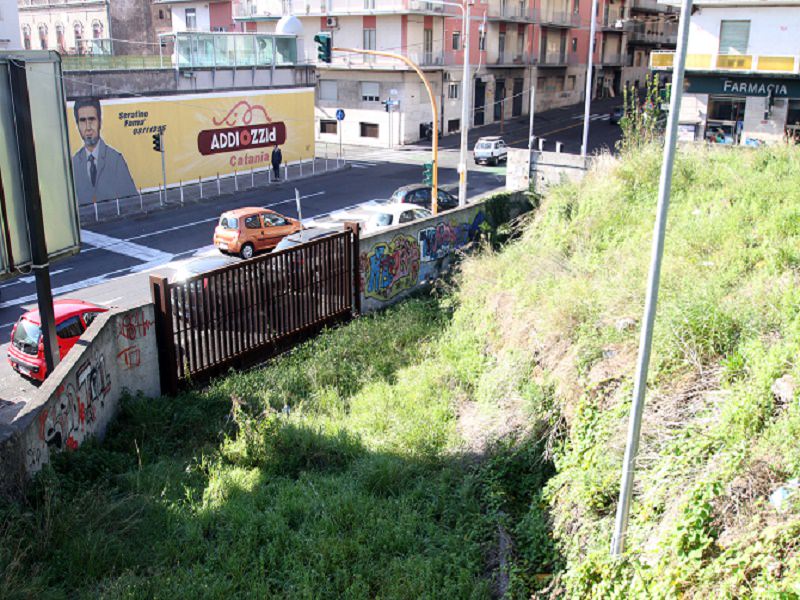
(100, 172)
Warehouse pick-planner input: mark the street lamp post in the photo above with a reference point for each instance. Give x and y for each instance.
(588, 99)
(465, 100)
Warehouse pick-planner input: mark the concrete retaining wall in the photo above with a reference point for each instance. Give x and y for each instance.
(551, 168)
(118, 354)
(397, 261)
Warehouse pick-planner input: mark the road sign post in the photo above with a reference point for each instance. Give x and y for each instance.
(340, 118)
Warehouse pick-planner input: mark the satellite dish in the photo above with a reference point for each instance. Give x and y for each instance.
(289, 25)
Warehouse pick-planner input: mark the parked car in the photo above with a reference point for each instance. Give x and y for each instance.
(616, 114)
(420, 194)
(245, 231)
(490, 150)
(381, 216)
(26, 351)
(305, 236)
(200, 264)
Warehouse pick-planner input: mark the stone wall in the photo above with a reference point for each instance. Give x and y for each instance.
(117, 355)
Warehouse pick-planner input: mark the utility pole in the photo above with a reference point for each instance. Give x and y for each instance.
(587, 103)
(466, 94)
(164, 162)
(33, 209)
(531, 111)
(651, 300)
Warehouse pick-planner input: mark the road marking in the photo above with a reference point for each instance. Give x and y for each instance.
(124, 247)
(32, 278)
(357, 166)
(108, 302)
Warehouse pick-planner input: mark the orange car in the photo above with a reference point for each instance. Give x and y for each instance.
(245, 231)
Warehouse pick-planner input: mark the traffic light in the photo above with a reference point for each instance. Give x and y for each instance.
(324, 45)
(427, 173)
(157, 142)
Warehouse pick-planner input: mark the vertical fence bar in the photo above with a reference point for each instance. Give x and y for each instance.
(252, 177)
(200, 183)
(141, 201)
(96, 217)
(165, 338)
(235, 181)
(180, 184)
(218, 192)
(117, 206)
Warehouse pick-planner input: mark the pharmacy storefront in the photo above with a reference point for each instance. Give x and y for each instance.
(731, 109)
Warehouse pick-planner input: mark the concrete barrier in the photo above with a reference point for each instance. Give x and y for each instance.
(117, 355)
(396, 261)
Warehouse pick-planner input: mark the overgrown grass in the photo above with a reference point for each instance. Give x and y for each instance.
(348, 468)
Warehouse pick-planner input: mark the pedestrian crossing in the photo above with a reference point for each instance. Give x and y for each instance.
(595, 117)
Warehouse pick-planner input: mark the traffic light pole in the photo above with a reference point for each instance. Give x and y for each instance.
(163, 165)
(434, 133)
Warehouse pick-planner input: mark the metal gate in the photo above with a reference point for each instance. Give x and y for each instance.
(244, 313)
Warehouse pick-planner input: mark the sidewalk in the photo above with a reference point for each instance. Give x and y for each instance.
(201, 190)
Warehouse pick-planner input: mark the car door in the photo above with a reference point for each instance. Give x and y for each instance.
(253, 231)
(446, 201)
(422, 197)
(276, 228)
(68, 332)
(501, 149)
(407, 216)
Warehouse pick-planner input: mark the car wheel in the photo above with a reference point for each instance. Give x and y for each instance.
(247, 251)
(493, 161)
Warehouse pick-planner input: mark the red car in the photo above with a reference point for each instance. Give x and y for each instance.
(26, 352)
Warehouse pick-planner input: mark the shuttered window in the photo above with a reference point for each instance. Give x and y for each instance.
(733, 37)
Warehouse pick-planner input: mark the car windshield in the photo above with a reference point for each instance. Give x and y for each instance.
(484, 146)
(229, 222)
(26, 334)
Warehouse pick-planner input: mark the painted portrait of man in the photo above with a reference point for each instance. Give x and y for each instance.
(100, 172)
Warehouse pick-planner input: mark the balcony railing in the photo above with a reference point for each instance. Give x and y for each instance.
(756, 63)
(652, 6)
(246, 9)
(612, 16)
(553, 58)
(555, 16)
(45, 3)
(612, 59)
(99, 62)
(637, 32)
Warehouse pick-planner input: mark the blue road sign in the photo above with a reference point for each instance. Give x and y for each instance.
(340, 115)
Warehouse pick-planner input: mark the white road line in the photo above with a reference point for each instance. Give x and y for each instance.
(108, 302)
(355, 166)
(124, 247)
(31, 278)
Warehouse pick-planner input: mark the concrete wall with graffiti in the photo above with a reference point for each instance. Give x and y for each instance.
(396, 261)
(118, 354)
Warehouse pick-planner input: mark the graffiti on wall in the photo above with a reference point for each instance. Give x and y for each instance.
(76, 406)
(388, 269)
(440, 240)
(132, 327)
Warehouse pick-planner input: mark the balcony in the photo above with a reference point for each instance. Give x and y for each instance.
(552, 59)
(648, 6)
(511, 11)
(556, 17)
(639, 33)
(100, 62)
(274, 9)
(611, 17)
(612, 59)
(730, 63)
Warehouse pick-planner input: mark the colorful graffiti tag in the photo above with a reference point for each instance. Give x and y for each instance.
(388, 269)
(76, 406)
(440, 240)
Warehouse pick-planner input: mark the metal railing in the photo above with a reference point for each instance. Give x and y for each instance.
(756, 63)
(560, 16)
(246, 9)
(200, 189)
(612, 58)
(251, 310)
(552, 58)
(103, 62)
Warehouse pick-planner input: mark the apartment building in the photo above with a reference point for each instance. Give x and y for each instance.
(98, 27)
(191, 15)
(649, 26)
(742, 72)
(514, 44)
(10, 33)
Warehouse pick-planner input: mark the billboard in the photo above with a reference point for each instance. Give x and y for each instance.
(49, 122)
(204, 135)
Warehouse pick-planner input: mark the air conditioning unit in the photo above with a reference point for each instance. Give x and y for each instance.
(331, 22)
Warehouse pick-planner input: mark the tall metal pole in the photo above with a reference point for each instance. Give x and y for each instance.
(466, 84)
(34, 214)
(646, 339)
(588, 100)
(164, 163)
(531, 111)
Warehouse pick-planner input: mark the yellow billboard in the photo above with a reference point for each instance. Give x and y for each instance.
(204, 135)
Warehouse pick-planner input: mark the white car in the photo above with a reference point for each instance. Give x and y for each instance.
(382, 216)
(490, 150)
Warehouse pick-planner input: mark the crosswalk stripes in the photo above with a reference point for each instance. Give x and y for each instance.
(595, 117)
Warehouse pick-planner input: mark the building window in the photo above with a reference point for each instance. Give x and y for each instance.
(370, 91)
(570, 83)
(427, 45)
(191, 18)
(43, 36)
(26, 37)
(97, 30)
(456, 40)
(329, 126)
(369, 44)
(369, 4)
(574, 44)
(453, 125)
(161, 13)
(733, 37)
(77, 28)
(521, 42)
(576, 7)
(482, 40)
(501, 47)
(60, 41)
(369, 130)
(328, 90)
(452, 90)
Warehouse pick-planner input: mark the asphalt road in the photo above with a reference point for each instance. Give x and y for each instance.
(117, 257)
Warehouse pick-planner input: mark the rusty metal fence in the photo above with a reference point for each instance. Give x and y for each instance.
(244, 313)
